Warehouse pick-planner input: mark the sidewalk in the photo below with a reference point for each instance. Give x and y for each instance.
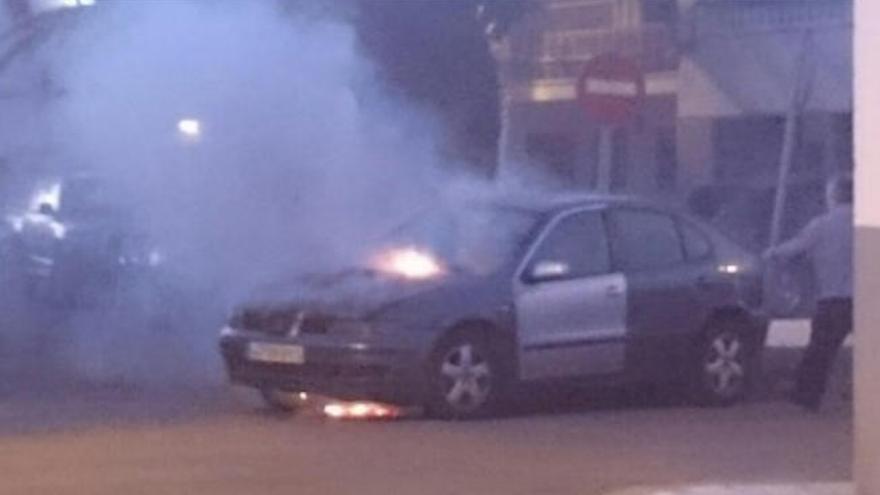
(766, 489)
(792, 334)
(784, 334)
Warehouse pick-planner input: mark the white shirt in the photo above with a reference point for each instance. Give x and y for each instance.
(828, 241)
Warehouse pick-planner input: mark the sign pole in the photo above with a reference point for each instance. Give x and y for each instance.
(789, 142)
(606, 158)
(773, 276)
(611, 89)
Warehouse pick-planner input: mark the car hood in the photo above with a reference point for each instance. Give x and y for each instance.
(352, 293)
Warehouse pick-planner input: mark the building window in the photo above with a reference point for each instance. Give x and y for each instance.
(555, 152)
(747, 148)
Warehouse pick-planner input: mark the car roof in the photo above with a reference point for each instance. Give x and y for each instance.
(549, 203)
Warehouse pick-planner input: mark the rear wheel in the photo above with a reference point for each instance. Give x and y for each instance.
(280, 400)
(725, 364)
(466, 378)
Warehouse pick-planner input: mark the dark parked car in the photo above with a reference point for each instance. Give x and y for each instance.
(77, 242)
(509, 292)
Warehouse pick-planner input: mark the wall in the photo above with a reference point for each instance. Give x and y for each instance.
(743, 63)
(867, 38)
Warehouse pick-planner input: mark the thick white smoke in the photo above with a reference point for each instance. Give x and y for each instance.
(298, 162)
(299, 159)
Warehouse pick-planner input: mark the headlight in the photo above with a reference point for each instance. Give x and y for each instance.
(410, 263)
(730, 268)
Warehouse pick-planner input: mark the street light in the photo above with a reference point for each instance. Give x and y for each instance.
(49, 4)
(189, 128)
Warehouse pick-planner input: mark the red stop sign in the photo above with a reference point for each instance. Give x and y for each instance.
(611, 89)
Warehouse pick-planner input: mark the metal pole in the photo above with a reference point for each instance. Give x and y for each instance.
(606, 158)
(789, 140)
(773, 284)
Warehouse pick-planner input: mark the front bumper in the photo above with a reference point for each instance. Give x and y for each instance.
(345, 372)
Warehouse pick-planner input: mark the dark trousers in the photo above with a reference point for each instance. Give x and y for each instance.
(831, 325)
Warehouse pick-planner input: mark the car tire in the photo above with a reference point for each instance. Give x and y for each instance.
(467, 378)
(725, 362)
(280, 401)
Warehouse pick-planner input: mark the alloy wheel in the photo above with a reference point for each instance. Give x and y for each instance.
(466, 378)
(724, 366)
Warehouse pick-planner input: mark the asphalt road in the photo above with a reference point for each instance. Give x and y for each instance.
(90, 438)
(78, 415)
(234, 448)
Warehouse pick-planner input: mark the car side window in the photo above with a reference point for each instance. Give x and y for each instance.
(645, 240)
(696, 243)
(575, 247)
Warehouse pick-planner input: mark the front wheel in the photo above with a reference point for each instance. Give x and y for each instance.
(725, 363)
(467, 379)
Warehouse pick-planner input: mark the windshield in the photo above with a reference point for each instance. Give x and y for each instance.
(477, 239)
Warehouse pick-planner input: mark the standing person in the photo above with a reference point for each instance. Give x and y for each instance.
(828, 242)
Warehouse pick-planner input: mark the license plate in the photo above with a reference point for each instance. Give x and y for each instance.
(276, 353)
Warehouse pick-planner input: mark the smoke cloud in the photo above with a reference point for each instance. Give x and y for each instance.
(250, 144)
(298, 156)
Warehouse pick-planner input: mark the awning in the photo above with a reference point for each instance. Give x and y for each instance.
(753, 73)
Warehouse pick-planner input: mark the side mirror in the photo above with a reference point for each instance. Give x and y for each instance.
(545, 271)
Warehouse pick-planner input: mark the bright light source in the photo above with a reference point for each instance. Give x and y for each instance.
(40, 6)
(335, 411)
(729, 269)
(50, 196)
(59, 230)
(76, 3)
(303, 396)
(16, 222)
(190, 128)
(360, 410)
(409, 263)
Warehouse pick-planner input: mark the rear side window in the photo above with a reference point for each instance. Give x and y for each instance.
(645, 240)
(579, 242)
(696, 244)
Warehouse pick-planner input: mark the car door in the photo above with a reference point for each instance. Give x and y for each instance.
(663, 284)
(570, 305)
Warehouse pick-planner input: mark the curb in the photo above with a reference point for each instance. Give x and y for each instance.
(745, 489)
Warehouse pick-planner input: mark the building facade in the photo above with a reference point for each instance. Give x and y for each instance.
(31, 35)
(747, 66)
(721, 78)
(545, 126)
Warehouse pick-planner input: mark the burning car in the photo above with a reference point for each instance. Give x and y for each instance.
(462, 307)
